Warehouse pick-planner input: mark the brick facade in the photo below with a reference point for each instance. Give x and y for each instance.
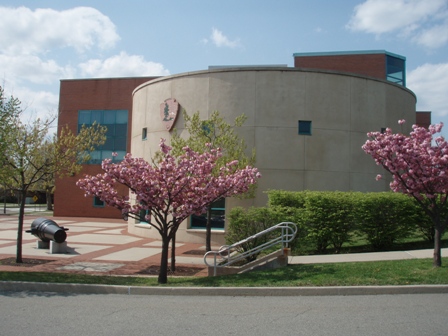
(371, 65)
(90, 94)
(423, 118)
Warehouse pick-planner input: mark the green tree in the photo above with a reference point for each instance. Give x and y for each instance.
(32, 157)
(219, 134)
(9, 111)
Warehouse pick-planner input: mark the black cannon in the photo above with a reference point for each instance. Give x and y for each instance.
(47, 230)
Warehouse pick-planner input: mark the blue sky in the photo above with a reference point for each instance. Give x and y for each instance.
(42, 42)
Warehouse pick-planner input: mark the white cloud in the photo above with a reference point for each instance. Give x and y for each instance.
(35, 103)
(24, 31)
(425, 22)
(122, 65)
(434, 37)
(33, 69)
(430, 82)
(220, 40)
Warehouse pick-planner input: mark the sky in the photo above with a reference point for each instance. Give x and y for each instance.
(42, 42)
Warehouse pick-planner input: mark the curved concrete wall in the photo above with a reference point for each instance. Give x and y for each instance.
(342, 108)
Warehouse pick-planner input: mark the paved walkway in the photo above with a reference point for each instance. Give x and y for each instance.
(103, 246)
(95, 246)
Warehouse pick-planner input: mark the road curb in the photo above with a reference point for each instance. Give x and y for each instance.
(18, 286)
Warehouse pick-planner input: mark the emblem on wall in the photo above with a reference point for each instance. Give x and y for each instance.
(168, 112)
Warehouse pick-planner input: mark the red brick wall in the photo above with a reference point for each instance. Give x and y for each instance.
(372, 65)
(90, 94)
(423, 118)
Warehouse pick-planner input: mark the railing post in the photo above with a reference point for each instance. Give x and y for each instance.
(214, 268)
(288, 231)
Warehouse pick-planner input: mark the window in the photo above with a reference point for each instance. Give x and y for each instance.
(142, 215)
(116, 122)
(97, 203)
(218, 209)
(395, 70)
(144, 133)
(304, 127)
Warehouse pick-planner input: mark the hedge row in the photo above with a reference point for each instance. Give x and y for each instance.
(331, 219)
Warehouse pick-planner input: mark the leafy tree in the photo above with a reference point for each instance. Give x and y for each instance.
(9, 111)
(214, 133)
(419, 165)
(31, 157)
(169, 191)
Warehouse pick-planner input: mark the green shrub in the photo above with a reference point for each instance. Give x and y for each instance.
(286, 199)
(424, 224)
(329, 219)
(245, 223)
(385, 218)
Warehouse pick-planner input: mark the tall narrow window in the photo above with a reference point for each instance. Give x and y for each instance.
(145, 216)
(144, 133)
(304, 127)
(396, 70)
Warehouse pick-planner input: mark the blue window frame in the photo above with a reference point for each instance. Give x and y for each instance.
(304, 127)
(396, 70)
(218, 210)
(142, 215)
(97, 203)
(116, 122)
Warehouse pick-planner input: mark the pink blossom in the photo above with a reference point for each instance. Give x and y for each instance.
(170, 191)
(418, 166)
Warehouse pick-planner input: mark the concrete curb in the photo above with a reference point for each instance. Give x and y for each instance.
(17, 286)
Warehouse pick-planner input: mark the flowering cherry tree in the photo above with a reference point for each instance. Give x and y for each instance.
(169, 191)
(419, 167)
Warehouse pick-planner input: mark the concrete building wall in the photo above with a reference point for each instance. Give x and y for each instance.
(342, 108)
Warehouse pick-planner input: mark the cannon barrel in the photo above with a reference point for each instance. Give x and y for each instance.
(46, 230)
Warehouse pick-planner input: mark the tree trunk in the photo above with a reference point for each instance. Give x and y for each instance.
(48, 199)
(208, 229)
(20, 226)
(4, 202)
(173, 253)
(437, 261)
(163, 271)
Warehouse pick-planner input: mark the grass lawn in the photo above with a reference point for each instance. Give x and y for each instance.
(374, 273)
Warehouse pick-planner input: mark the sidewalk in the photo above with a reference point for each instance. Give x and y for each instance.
(103, 246)
(96, 246)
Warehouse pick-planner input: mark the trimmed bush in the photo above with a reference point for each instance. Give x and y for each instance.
(329, 219)
(282, 198)
(385, 218)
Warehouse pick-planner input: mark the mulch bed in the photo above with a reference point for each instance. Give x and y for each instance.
(27, 262)
(195, 252)
(180, 271)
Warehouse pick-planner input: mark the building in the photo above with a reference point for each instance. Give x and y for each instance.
(108, 101)
(306, 123)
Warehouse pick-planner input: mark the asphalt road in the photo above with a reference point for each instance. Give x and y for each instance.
(50, 314)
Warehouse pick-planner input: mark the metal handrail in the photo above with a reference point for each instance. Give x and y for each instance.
(227, 255)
